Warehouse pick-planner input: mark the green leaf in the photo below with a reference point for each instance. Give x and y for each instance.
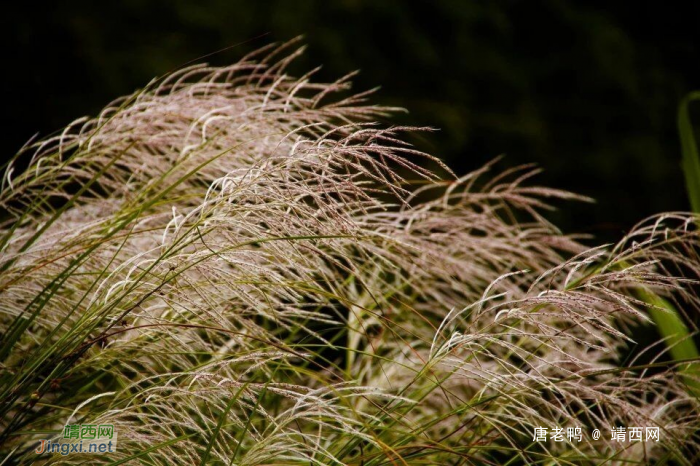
(677, 336)
(689, 149)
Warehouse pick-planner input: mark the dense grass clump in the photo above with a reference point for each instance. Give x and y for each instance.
(234, 268)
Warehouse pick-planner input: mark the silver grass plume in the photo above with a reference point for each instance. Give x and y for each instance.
(231, 266)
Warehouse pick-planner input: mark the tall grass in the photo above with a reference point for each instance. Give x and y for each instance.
(233, 266)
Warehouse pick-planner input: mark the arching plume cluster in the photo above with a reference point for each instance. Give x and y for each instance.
(238, 267)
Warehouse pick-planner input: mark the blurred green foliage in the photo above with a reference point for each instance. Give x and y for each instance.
(588, 90)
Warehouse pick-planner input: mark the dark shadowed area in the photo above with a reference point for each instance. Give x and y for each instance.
(587, 90)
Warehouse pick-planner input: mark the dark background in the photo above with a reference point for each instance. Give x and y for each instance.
(586, 89)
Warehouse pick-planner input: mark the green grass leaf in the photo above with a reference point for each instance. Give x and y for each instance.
(689, 149)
